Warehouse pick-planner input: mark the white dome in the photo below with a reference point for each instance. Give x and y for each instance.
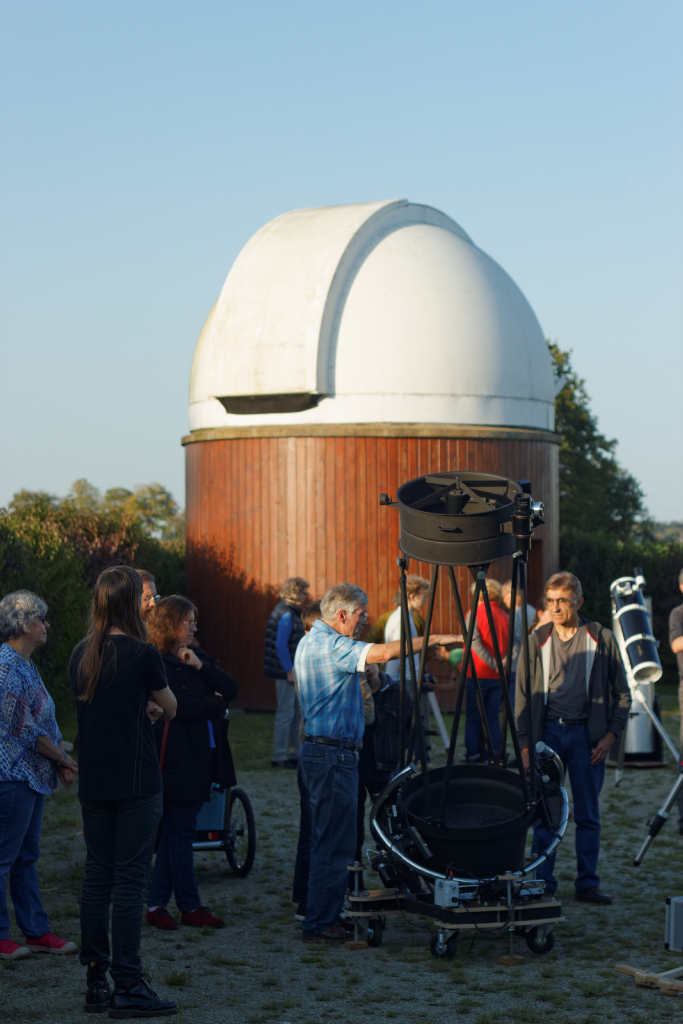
(369, 313)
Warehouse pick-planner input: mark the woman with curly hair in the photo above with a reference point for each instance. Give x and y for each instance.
(32, 760)
(195, 753)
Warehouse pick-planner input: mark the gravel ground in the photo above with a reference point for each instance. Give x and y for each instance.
(258, 970)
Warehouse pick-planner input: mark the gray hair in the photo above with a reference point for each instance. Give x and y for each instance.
(565, 581)
(17, 612)
(292, 587)
(344, 597)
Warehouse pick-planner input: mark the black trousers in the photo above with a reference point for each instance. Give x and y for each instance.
(119, 837)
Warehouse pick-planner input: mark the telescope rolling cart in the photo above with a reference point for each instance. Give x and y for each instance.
(451, 840)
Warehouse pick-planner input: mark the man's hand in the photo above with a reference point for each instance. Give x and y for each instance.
(153, 711)
(525, 759)
(444, 640)
(290, 676)
(372, 677)
(188, 657)
(603, 747)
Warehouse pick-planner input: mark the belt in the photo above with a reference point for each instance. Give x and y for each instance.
(570, 721)
(331, 743)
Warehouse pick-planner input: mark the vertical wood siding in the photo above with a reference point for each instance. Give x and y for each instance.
(262, 509)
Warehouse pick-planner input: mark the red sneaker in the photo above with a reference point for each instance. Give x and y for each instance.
(200, 917)
(11, 951)
(49, 943)
(161, 918)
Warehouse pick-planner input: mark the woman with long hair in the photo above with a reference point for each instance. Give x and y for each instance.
(120, 685)
(195, 752)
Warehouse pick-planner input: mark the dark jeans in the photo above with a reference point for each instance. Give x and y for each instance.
(119, 838)
(330, 775)
(21, 815)
(174, 868)
(303, 850)
(492, 695)
(573, 745)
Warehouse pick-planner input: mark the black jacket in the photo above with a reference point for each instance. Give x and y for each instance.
(609, 697)
(272, 666)
(190, 765)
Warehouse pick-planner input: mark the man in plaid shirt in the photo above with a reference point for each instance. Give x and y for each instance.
(327, 665)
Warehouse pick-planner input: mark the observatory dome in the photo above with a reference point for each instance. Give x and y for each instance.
(369, 313)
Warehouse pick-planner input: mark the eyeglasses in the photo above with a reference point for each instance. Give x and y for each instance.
(188, 622)
(561, 602)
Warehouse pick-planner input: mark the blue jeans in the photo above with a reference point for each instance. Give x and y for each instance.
(119, 839)
(573, 745)
(303, 850)
(21, 815)
(174, 868)
(491, 695)
(330, 775)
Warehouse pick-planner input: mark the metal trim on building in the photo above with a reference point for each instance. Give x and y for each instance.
(437, 430)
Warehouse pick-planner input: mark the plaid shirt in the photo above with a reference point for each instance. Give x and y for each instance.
(327, 666)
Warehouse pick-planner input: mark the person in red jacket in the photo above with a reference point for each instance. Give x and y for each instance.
(487, 674)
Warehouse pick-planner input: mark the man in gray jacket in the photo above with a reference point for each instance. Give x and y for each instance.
(580, 702)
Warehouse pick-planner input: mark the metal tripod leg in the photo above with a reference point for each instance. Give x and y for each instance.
(436, 711)
(657, 724)
(659, 819)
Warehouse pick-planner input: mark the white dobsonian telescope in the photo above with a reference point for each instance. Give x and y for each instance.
(632, 628)
(641, 742)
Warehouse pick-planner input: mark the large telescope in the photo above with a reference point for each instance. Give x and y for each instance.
(632, 628)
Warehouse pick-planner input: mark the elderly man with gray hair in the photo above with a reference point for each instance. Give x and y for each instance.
(327, 665)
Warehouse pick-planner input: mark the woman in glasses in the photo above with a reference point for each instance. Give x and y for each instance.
(194, 753)
(32, 760)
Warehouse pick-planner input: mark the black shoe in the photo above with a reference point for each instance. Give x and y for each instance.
(283, 764)
(140, 1001)
(98, 993)
(592, 895)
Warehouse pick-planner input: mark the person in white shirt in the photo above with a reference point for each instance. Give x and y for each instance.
(417, 588)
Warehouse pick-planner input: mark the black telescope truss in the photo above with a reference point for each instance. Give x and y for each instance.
(478, 506)
(468, 519)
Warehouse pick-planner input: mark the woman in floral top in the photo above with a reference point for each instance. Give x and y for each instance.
(32, 759)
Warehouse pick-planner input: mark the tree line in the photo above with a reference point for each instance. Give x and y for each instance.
(58, 546)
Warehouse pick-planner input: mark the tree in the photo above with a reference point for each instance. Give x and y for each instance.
(596, 494)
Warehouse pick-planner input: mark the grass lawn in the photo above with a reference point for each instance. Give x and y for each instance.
(258, 971)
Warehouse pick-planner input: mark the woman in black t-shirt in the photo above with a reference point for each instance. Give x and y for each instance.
(120, 685)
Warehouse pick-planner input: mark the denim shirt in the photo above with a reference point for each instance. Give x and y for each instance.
(27, 712)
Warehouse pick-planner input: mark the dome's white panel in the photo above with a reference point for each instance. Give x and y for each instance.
(371, 313)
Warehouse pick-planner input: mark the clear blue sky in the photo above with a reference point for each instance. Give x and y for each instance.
(145, 142)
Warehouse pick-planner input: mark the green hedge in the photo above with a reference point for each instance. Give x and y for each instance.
(58, 552)
(598, 560)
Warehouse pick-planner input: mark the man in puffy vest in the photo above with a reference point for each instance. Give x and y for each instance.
(283, 633)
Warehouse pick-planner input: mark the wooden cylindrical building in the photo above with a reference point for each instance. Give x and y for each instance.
(351, 349)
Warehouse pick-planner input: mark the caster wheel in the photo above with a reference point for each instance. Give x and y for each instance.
(446, 951)
(537, 945)
(375, 932)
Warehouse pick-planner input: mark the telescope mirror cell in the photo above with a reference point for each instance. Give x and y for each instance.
(457, 518)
